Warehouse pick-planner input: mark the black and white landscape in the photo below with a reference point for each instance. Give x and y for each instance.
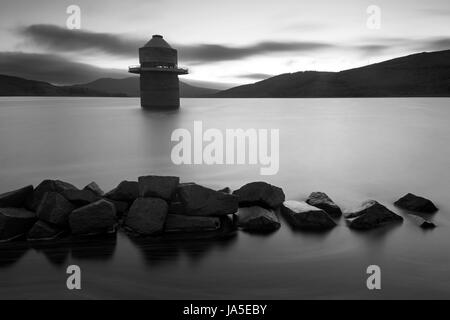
(308, 158)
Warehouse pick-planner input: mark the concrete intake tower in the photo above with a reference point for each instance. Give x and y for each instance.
(159, 72)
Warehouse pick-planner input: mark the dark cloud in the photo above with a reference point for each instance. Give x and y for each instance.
(52, 68)
(64, 40)
(215, 53)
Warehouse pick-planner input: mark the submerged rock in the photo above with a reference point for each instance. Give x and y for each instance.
(158, 186)
(15, 222)
(95, 188)
(371, 215)
(16, 198)
(181, 223)
(95, 218)
(427, 225)
(42, 230)
(55, 209)
(415, 203)
(127, 191)
(257, 219)
(202, 201)
(260, 194)
(45, 186)
(322, 201)
(301, 215)
(80, 197)
(147, 216)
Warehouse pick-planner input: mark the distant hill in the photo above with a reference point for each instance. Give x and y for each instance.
(422, 74)
(130, 87)
(105, 87)
(15, 86)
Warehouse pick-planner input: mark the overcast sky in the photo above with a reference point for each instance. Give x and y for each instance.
(232, 41)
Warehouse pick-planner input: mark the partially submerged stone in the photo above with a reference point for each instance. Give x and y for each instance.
(158, 186)
(181, 223)
(301, 215)
(55, 209)
(45, 186)
(16, 198)
(95, 218)
(257, 219)
(415, 203)
(147, 216)
(372, 214)
(42, 230)
(127, 191)
(202, 201)
(260, 194)
(95, 188)
(322, 201)
(15, 222)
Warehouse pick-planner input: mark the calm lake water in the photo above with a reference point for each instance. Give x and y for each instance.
(352, 149)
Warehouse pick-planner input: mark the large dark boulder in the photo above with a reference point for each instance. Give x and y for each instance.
(260, 194)
(301, 215)
(322, 201)
(372, 214)
(158, 186)
(16, 198)
(181, 223)
(55, 209)
(80, 197)
(202, 201)
(15, 222)
(95, 188)
(415, 203)
(95, 218)
(127, 191)
(257, 219)
(42, 230)
(147, 216)
(45, 186)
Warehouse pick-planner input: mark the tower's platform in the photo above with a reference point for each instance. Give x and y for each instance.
(138, 70)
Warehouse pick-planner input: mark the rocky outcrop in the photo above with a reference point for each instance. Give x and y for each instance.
(158, 186)
(94, 187)
(147, 216)
(415, 203)
(15, 222)
(260, 194)
(80, 198)
(257, 219)
(372, 214)
(322, 201)
(45, 186)
(42, 230)
(96, 218)
(16, 198)
(427, 225)
(202, 201)
(127, 191)
(301, 215)
(181, 223)
(55, 209)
